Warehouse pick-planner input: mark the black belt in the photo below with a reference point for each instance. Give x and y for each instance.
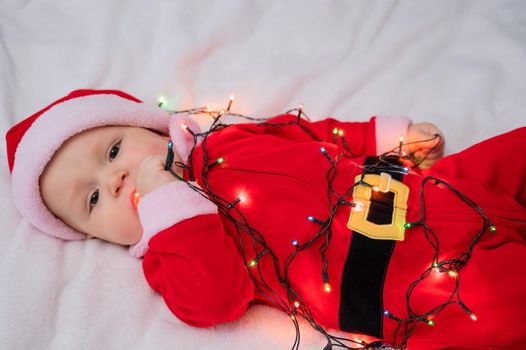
(361, 300)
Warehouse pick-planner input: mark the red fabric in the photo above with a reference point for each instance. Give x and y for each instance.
(198, 268)
(279, 170)
(198, 272)
(492, 174)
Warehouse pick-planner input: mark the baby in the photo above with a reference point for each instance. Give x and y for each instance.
(300, 215)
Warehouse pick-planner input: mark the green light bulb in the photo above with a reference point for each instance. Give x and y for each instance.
(162, 100)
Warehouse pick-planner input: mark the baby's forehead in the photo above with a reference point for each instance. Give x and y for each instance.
(91, 135)
(82, 147)
(103, 129)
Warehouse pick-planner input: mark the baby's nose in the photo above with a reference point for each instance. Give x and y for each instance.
(117, 182)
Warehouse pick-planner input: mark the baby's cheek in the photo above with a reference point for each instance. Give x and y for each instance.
(121, 225)
(142, 150)
(133, 229)
(135, 235)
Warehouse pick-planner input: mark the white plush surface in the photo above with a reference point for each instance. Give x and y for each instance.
(458, 64)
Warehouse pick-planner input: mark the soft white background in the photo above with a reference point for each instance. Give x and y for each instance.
(458, 64)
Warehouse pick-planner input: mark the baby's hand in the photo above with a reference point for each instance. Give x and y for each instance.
(425, 140)
(151, 174)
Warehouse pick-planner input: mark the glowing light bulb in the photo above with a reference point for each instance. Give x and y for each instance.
(401, 139)
(230, 102)
(390, 315)
(218, 161)
(294, 242)
(453, 273)
(300, 109)
(430, 322)
(162, 100)
(253, 263)
(313, 219)
(358, 206)
(492, 228)
(435, 266)
(135, 197)
(184, 127)
(335, 131)
(324, 151)
(340, 133)
(376, 189)
(327, 287)
(473, 317)
(408, 225)
(240, 198)
(296, 304)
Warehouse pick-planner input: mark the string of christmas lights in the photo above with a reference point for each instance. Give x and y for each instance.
(294, 305)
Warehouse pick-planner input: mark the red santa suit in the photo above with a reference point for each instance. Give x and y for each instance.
(194, 259)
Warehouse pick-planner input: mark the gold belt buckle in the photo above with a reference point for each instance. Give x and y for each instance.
(358, 222)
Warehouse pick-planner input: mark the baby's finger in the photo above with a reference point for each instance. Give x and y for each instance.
(153, 162)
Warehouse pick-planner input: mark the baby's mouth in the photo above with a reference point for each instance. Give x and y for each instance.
(135, 198)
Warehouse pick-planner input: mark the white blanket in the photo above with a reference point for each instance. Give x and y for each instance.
(458, 64)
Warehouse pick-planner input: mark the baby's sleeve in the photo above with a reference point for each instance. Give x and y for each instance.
(193, 263)
(388, 130)
(378, 135)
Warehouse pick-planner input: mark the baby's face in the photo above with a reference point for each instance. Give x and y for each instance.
(89, 183)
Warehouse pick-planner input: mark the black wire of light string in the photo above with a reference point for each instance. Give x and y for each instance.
(456, 263)
(251, 231)
(291, 124)
(422, 221)
(284, 282)
(255, 281)
(225, 210)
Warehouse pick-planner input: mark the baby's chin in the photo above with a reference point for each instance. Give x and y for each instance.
(137, 239)
(131, 239)
(128, 238)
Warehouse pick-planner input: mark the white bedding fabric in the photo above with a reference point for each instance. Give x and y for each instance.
(458, 64)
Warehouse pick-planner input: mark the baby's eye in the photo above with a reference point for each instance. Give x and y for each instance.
(93, 200)
(114, 151)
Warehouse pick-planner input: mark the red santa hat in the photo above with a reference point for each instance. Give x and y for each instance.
(32, 143)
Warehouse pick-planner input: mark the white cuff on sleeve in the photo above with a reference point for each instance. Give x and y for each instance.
(388, 132)
(166, 206)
